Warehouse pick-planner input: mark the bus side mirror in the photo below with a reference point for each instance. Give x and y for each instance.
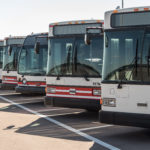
(37, 47)
(87, 39)
(9, 50)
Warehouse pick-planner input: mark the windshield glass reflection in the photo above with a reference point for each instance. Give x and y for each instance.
(32, 63)
(71, 57)
(10, 60)
(127, 56)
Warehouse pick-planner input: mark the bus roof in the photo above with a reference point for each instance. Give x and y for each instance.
(14, 40)
(72, 27)
(108, 14)
(77, 22)
(1, 43)
(31, 39)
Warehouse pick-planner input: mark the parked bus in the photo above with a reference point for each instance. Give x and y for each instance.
(1, 58)
(126, 73)
(12, 46)
(74, 68)
(32, 64)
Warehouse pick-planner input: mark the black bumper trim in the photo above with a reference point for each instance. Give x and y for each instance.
(7, 86)
(125, 119)
(89, 104)
(30, 90)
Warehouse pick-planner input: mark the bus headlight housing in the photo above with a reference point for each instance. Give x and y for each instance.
(96, 92)
(24, 81)
(110, 102)
(51, 90)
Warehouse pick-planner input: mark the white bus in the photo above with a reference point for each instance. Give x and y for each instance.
(32, 64)
(74, 68)
(126, 71)
(1, 58)
(12, 46)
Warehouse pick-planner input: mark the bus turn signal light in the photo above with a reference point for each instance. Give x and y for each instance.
(101, 101)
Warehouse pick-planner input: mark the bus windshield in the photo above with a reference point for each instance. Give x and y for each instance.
(127, 56)
(10, 60)
(71, 57)
(1, 57)
(32, 63)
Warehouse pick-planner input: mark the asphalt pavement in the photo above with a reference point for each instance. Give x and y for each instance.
(25, 123)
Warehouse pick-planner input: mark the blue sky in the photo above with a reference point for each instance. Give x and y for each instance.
(22, 17)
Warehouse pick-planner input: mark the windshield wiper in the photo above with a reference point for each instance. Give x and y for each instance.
(148, 60)
(86, 78)
(75, 57)
(58, 77)
(135, 65)
(37, 74)
(69, 57)
(8, 70)
(136, 57)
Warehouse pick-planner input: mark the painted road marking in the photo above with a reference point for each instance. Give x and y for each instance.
(5, 94)
(92, 128)
(41, 98)
(91, 138)
(55, 115)
(44, 110)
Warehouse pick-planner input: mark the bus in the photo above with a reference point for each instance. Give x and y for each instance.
(1, 58)
(32, 64)
(12, 46)
(126, 69)
(74, 64)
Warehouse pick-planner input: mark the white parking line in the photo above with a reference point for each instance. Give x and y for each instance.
(41, 98)
(4, 94)
(104, 144)
(52, 109)
(92, 128)
(62, 114)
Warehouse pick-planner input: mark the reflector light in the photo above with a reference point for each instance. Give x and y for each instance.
(146, 9)
(136, 9)
(115, 11)
(98, 21)
(101, 101)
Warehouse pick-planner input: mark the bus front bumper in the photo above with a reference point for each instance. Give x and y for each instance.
(89, 104)
(30, 90)
(125, 119)
(7, 86)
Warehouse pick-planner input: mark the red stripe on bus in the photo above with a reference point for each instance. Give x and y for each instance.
(76, 88)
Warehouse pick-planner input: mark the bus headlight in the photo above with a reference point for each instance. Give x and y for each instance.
(51, 90)
(24, 81)
(97, 92)
(111, 102)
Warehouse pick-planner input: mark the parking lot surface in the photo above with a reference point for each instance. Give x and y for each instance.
(25, 123)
